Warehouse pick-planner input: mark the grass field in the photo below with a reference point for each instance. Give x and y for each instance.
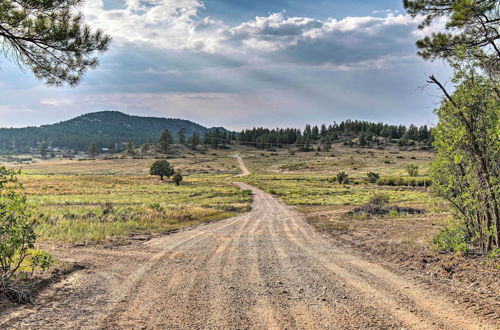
(91, 201)
(305, 180)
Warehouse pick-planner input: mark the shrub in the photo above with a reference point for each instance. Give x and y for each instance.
(342, 177)
(246, 192)
(17, 235)
(379, 199)
(451, 239)
(373, 177)
(412, 170)
(404, 181)
(177, 178)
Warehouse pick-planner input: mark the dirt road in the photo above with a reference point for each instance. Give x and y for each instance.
(266, 269)
(244, 169)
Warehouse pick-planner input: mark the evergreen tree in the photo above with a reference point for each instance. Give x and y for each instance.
(194, 141)
(50, 38)
(130, 149)
(92, 150)
(43, 149)
(327, 143)
(181, 136)
(166, 140)
(471, 31)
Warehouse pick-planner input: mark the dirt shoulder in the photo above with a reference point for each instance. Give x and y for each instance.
(403, 245)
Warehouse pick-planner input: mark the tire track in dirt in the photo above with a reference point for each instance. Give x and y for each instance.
(266, 269)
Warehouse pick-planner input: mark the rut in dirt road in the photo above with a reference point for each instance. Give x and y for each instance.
(266, 269)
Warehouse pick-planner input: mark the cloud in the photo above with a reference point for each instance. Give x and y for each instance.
(175, 26)
(167, 59)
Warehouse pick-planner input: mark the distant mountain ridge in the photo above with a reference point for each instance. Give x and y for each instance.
(103, 128)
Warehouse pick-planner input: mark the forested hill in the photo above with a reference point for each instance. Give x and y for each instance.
(103, 128)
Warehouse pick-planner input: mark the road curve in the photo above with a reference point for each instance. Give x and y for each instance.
(266, 269)
(244, 169)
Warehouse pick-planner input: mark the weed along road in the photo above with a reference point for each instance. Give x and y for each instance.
(266, 269)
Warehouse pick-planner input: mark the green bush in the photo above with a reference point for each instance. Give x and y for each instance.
(404, 181)
(412, 170)
(342, 177)
(177, 178)
(379, 199)
(451, 239)
(17, 236)
(373, 177)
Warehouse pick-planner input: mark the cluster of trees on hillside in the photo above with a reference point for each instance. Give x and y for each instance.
(361, 133)
(107, 129)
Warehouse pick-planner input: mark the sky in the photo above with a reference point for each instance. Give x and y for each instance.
(240, 64)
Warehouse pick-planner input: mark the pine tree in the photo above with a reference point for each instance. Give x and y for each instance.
(50, 38)
(166, 140)
(194, 140)
(92, 150)
(181, 136)
(43, 148)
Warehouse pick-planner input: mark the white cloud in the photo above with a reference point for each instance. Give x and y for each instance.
(176, 25)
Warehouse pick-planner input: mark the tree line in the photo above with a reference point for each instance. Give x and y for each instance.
(361, 133)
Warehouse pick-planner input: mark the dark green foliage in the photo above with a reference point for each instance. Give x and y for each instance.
(102, 128)
(161, 168)
(466, 170)
(130, 149)
(50, 38)
(342, 177)
(177, 178)
(216, 138)
(373, 177)
(327, 143)
(43, 149)
(404, 181)
(92, 151)
(181, 136)
(366, 132)
(471, 28)
(194, 141)
(165, 140)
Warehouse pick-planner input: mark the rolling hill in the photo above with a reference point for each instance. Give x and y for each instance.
(103, 128)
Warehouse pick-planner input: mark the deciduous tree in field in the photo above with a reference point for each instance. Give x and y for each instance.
(162, 168)
(50, 38)
(466, 171)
